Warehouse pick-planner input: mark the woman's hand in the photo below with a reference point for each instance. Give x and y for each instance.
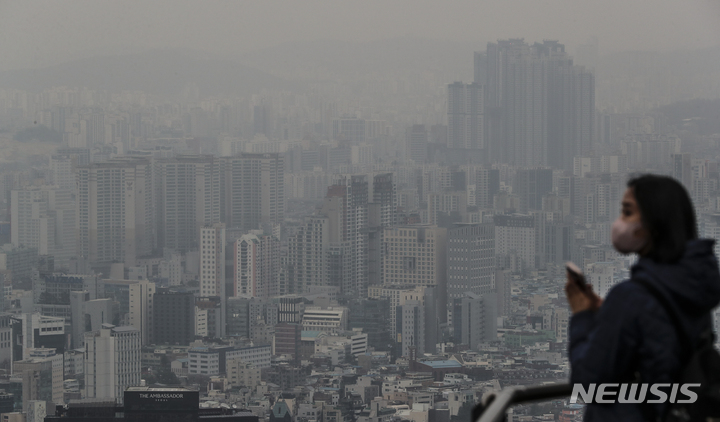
(581, 298)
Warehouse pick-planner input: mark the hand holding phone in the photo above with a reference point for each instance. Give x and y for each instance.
(575, 274)
(580, 294)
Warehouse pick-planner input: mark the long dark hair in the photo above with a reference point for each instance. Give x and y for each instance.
(667, 214)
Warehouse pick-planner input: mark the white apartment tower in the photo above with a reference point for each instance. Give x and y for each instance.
(115, 210)
(112, 361)
(212, 260)
(141, 294)
(306, 260)
(43, 217)
(256, 266)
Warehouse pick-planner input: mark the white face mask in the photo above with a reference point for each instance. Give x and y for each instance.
(624, 239)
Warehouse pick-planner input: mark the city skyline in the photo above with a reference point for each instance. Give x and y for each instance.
(259, 213)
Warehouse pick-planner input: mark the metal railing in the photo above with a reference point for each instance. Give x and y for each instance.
(496, 404)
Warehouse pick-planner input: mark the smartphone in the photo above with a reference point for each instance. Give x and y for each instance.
(575, 273)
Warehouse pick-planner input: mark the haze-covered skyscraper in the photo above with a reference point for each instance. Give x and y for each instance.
(417, 144)
(539, 106)
(212, 260)
(188, 198)
(115, 215)
(254, 190)
(346, 206)
(257, 257)
(471, 248)
(466, 115)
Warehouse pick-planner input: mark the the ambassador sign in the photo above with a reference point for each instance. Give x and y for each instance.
(162, 396)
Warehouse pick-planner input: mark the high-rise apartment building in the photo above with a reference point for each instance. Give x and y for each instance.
(254, 190)
(112, 361)
(306, 265)
(346, 206)
(682, 170)
(189, 197)
(349, 129)
(540, 107)
(416, 148)
(466, 115)
(43, 217)
(257, 260)
(115, 212)
(212, 266)
(384, 195)
(212, 260)
(531, 185)
(141, 295)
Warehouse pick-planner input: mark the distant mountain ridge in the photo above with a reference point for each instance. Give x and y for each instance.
(339, 58)
(159, 72)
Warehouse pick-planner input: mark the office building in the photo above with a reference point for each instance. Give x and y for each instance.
(416, 255)
(112, 362)
(212, 360)
(475, 319)
(516, 234)
(147, 404)
(42, 376)
(135, 298)
(173, 317)
(471, 260)
(34, 331)
(88, 314)
(331, 319)
(287, 340)
(372, 316)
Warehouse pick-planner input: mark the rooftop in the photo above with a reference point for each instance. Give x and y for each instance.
(438, 364)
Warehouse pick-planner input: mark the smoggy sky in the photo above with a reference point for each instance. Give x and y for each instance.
(37, 33)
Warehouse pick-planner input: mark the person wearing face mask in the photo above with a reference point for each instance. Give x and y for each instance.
(628, 336)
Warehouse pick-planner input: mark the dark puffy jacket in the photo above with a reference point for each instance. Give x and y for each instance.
(631, 332)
